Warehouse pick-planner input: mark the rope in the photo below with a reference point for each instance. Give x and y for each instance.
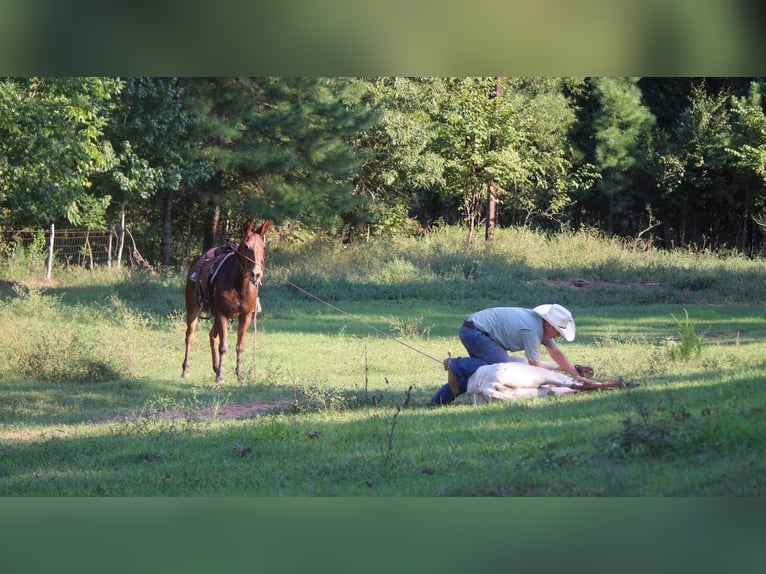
(350, 316)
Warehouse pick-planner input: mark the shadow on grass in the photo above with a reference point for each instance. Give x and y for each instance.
(157, 298)
(372, 444)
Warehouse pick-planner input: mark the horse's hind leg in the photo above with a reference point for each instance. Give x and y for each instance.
(214, 347)
(192, 315)
(190, 328)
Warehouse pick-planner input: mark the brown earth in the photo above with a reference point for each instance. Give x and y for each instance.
(227, 411)
(583, 284)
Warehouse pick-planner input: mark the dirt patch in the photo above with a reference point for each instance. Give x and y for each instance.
(583, 284)
(227, 411)
(239, 410)
(30, 435)
(223, 412)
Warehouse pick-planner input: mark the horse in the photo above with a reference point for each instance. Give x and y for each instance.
(224, 282)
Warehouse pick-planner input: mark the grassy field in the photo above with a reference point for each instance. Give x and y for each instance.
(92, 404)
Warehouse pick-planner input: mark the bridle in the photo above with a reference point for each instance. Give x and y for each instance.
(255, 272)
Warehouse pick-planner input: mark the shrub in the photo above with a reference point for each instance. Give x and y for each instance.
(63, 357)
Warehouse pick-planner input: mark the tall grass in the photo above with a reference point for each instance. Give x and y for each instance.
(520, 267)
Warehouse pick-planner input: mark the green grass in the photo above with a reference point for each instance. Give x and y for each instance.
(92, 404)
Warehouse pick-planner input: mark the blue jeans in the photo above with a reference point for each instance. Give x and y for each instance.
(482, 350)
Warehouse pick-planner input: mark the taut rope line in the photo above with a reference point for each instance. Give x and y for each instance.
(350, 316)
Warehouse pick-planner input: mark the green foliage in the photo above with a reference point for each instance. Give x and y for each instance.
(443, 140)
(51, 143)
(22, 261)
(750, 132)
(30, 302)
(749, 152)
(187, 159)
(279, 147)
(169, 415)
(320, 397)
(519, 267)
(659, 435)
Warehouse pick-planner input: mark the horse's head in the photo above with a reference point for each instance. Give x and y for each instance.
(251, 250)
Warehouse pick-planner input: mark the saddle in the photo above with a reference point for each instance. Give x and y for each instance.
(205, 270)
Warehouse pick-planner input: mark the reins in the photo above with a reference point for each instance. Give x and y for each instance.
(349, 315)
(337, 309)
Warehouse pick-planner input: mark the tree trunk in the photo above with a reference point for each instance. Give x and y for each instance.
(210, 238)
(745, 222)
(489, 234)
(211, 229)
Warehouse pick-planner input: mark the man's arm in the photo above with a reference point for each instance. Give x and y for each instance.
(563, 362)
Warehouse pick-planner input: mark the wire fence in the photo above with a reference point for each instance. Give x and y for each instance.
(87, 248)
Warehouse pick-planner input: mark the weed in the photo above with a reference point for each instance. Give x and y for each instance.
(387, 462)
(694, 283)
(388, 458)
(408, 327)
(395, 270)
(688, 345)
(318, 397)
(170, 415)
(675, 432)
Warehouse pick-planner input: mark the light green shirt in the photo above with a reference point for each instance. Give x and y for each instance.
(514, 329)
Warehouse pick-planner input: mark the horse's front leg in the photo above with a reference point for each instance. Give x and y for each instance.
(242, 326)
(218, 345)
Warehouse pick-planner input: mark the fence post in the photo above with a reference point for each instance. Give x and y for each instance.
(49, 263)
(121, 239)
(109, 248)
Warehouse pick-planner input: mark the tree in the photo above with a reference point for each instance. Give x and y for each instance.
(403, 169)
(489, 147)
(51, 144)
(480, 142)
(278, 147)
(749, 153)
(149, 132)
(546, 118)
(693, 169)
(509, 137)
(621, 124)
(492, 184)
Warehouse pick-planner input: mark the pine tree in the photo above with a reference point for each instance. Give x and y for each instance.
(620, 125)
(278, 147)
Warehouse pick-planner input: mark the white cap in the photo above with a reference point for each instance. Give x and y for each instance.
(559, 317)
